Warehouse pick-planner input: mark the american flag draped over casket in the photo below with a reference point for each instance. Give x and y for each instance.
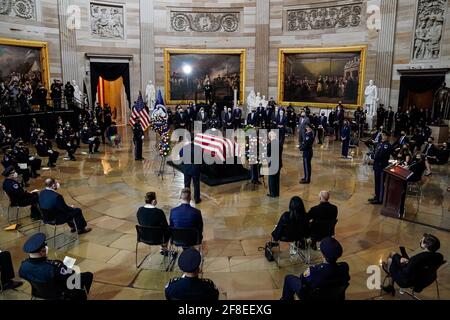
(219, 147)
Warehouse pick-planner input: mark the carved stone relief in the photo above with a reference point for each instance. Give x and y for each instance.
(338, 16)
(204, 21)
(107, 21)
(429, 27)
(25, 9)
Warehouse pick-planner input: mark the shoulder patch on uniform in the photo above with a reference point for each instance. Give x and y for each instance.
(16, 186)
(386, 146)
(307, 272)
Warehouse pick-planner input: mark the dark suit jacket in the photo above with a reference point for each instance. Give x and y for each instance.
(191, 168)
(151, 217)
(325, 211)
(186, 216)
(54, 202)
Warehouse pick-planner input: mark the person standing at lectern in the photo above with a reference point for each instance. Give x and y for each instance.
(381, 161)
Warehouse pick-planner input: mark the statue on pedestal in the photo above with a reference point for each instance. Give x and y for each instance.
(150, 95)
(264, 102)
(371, 95)
(441, 104)
(251, 101)
(258, 100)
(77, 94)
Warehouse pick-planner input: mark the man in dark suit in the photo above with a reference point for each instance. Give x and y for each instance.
(340, 116)
(53, 202)
(191, 159)
(323, 121)
(323, 212)
(252, 118)
(280, 124)
(237, 118)
(186, 216)
(227, 119)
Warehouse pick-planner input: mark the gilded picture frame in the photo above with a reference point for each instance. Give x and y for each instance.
(44, 58)
(169, 54)
(312, 99)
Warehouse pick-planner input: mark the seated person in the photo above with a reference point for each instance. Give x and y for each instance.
(87, 137)
(64, 142)
(417, 167)
(18, 195)
(39, 269)
(403, 270)
(328, 274)
(150, 216)
(295, 216)
(44, 148)
(443, 154)
(190, 286)
(324, 211)
(7, 272)
(52, 201)
(404, 155)
(113, 135)
(186, 216)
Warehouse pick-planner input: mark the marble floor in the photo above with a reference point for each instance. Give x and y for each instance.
(110, 186)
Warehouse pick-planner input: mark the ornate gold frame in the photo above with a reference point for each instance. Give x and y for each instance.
(169, 51)
(281, 66)
(44, 55)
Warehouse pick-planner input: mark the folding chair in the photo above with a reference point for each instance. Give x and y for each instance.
(49, 218)
(184, 238)
(151, 236)
(294, 233)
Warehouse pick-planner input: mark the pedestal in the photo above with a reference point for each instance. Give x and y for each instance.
(440, 134)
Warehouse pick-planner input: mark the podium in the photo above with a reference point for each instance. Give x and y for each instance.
(395, 187)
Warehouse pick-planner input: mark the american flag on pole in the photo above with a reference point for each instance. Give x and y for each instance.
(140, 111)
(217, 146)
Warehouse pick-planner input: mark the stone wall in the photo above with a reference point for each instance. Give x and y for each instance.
(150, 26)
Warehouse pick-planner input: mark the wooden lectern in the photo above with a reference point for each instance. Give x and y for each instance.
(395, 187)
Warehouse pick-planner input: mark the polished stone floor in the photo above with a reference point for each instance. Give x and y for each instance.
(110, 186)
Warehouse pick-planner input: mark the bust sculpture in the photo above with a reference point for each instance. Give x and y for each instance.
(150, 95)
(371, 95)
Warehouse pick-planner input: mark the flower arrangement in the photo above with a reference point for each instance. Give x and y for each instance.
(160, 126)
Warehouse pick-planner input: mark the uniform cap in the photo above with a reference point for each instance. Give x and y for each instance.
(331, 249)
(8, 171)
(189, 260)
(35, 243)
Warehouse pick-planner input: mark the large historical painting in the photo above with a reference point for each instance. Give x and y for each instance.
(188, 72)
(23, 61)
(322, 77)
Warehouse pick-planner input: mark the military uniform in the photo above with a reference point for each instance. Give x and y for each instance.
(330, 274)
(191, 287)
(307, 148)
(381, 161)
(185, 288)
(138, 137)
(44, 148)
(19, 196)
(42, 270)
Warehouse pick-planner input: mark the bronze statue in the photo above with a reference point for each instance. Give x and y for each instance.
(441, 103)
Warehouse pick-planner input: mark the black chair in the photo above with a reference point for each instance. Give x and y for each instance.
(13, 205)
(49, 218)
(151, 236)
(425, 276)
(322, 228)
(184, 238)
(294, 234)
(332, 293)
(46, 291)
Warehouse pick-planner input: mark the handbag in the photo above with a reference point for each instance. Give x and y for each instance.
(268, 250)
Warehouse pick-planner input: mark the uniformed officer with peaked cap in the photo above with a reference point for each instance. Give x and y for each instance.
(190, 286)
(324, 275)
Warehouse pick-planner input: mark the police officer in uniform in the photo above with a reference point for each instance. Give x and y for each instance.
(63, 143)
(39, 269)
(189, 286)
(330, 273)
(18, 195)
(44, 148)
(22, 155)
(381, 161)
(307, 148)
(88, 137)
(138, 137)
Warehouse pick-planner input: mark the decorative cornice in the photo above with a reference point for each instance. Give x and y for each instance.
(182, 21)
(25, 9)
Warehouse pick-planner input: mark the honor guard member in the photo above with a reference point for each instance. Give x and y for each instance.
(345, 137)
(18, 195)
(63, 143)
(328, 274)
(87, 137)
(307, 148)
(237, 115)
(381, 161)
(189, 286)
(44, 148)
(40, 270)
(138, 138)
